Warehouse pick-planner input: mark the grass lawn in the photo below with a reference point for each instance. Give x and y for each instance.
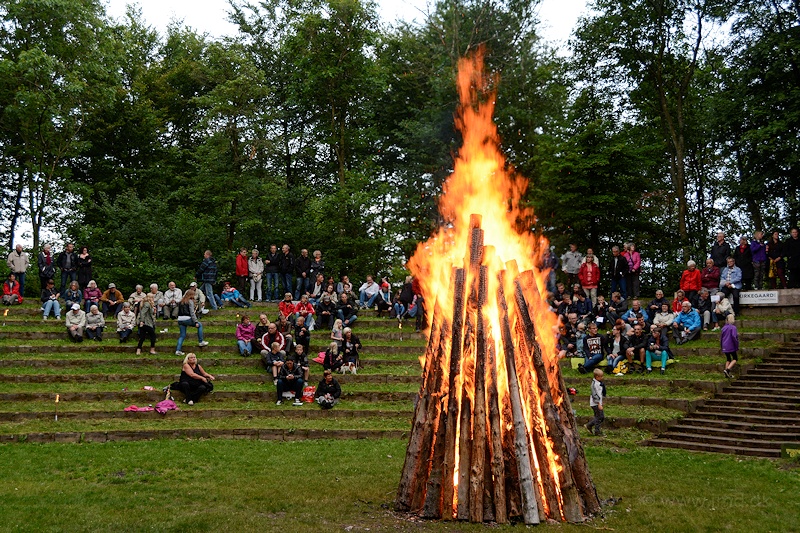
(232, 485)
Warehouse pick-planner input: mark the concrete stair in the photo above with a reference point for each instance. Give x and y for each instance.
(753, 415)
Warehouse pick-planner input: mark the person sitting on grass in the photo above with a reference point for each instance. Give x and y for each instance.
(729, 342)
(50, 301)
(261, 329)
(194, 381)
(187, 317)
(94, 324)
(300, 358)
(137, 296)
(616, 346)
(126, 320)
(637, 344)
(703, 307)
(722, 311)
(686, 325)
(677, 303)
(91, 296)
(73, 295)
(172, 297)
(657, 346)
(245, 333)
(617, 307)
(11, 294)
(111, 300)
(273, 360)
(665, 317)
(328, 391)
(333, 360)
(636, 315)
(284, 326)
(346, 311)
(592, 349)
(326, 312)
(368, 293)
(600, 312)
(350, 347)
(301, 334)
(231, 295)
(655, 304)
(337, 334)
(76, 322)
(384, 302)
(286, 307)
(290, 379)
(306, 310)
(596, 403)
(158, 299)
(273, 335)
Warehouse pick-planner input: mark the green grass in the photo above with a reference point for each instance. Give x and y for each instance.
(220, 386)
(312, 486)
(637, 412)
(117, 405)
(673, 372)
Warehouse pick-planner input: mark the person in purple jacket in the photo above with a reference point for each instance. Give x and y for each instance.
(759, 251)
(729, 342)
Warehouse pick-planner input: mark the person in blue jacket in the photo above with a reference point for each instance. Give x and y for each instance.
(687, 324)
(730, 283)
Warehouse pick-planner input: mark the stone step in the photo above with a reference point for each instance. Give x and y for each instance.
(764, 417)
(745, 352)
(231, 378)
(767, 374)
(200, 413)
(670, 442)
(744, 410)
(228, 337)
(753, 381)
(736, 402)
(722, 441)
(291, 434)
(745, 424)
(190, 345)
(698, 385)
(153, 397)
(780, 366)
(171, 361)
(703, 432)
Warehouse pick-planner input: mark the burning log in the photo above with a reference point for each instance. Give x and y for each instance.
(493, 435)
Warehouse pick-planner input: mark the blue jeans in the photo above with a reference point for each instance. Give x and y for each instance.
(619, 285)
(352, 319)
(87, 305)
(71, 276)
(593, 361)
(245, 346)
(238, 302)
(21, 278)
(399, 309)
(208, 290)
(51, 306)
(370, 302)
(286, 285)
(272, 288)
(303, 286)
(183, 324)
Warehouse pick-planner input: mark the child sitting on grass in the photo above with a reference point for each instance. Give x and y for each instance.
(596, 403)
(729, 342)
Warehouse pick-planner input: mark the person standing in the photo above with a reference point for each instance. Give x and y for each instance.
(791, 249)
(47, 266)
(242, 270)
(187, 317)
(18, 262)
(589, 276)
(146, 318)
(286, 268)
(720, 251)
(759, 252)
(634, 269)
(272, 267)
(68, 263)
(743, 258)
(596, 403)
(302, 268)
(571, 264)
(255, 267)
(84, 267)
(617, 271)
(207, 275)
(729, 343)
(777, 267)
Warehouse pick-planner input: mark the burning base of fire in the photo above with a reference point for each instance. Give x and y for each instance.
(493, 437)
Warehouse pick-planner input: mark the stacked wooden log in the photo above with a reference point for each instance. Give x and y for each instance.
(493, 437)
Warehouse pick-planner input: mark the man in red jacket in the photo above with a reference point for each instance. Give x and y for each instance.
(242, 269)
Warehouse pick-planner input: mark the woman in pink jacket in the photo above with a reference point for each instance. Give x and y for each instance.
(245, 333)
(634, 269)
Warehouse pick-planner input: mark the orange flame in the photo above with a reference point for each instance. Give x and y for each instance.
(483, 183)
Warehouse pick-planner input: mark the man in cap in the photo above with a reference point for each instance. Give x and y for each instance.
(112, 301)
(76, 322)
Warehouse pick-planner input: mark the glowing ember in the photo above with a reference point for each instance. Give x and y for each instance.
(493, 437)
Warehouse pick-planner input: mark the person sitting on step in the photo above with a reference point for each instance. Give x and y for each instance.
(76, 322)
(687, 324)
(290, 379)
(245, 334)
(328, 391)
(50, 301)
(11, 294)
(194, 381)
(95, 323)
(126, 321)
(657, 346)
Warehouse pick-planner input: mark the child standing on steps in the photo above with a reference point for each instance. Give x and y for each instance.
(729, 342)
(596, 403)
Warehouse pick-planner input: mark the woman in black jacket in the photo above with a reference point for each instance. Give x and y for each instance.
(328, 391)
(744, 260)
(776, 268)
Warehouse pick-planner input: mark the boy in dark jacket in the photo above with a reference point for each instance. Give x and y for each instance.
(206, 275)
(290, 378)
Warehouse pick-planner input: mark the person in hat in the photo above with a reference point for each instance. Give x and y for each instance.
(384, 301)
(199, 299)
(76, 322)
(111, 301)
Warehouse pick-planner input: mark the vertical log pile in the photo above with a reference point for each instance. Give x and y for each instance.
(493, 436)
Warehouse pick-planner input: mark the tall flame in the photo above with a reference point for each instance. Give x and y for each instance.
(484, 183)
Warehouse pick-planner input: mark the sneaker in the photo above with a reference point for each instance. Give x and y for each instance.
(246, 353)
(279, 402)
(297, 403)
(727, 373)
(204, 343)
(663, 371)
(275, 382)
(190, 402)
(599, 433)
(204, 311)
(589, 428)
(180, 353)
(649, 370)
(619, 374)
(581, 368)
(165, 389)
(716, 328)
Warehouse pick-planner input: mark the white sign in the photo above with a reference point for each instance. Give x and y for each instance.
(758, 297)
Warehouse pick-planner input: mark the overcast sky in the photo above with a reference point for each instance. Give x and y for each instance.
(558, 16)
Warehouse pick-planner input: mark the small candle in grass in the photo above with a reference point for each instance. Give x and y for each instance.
(57, 398)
